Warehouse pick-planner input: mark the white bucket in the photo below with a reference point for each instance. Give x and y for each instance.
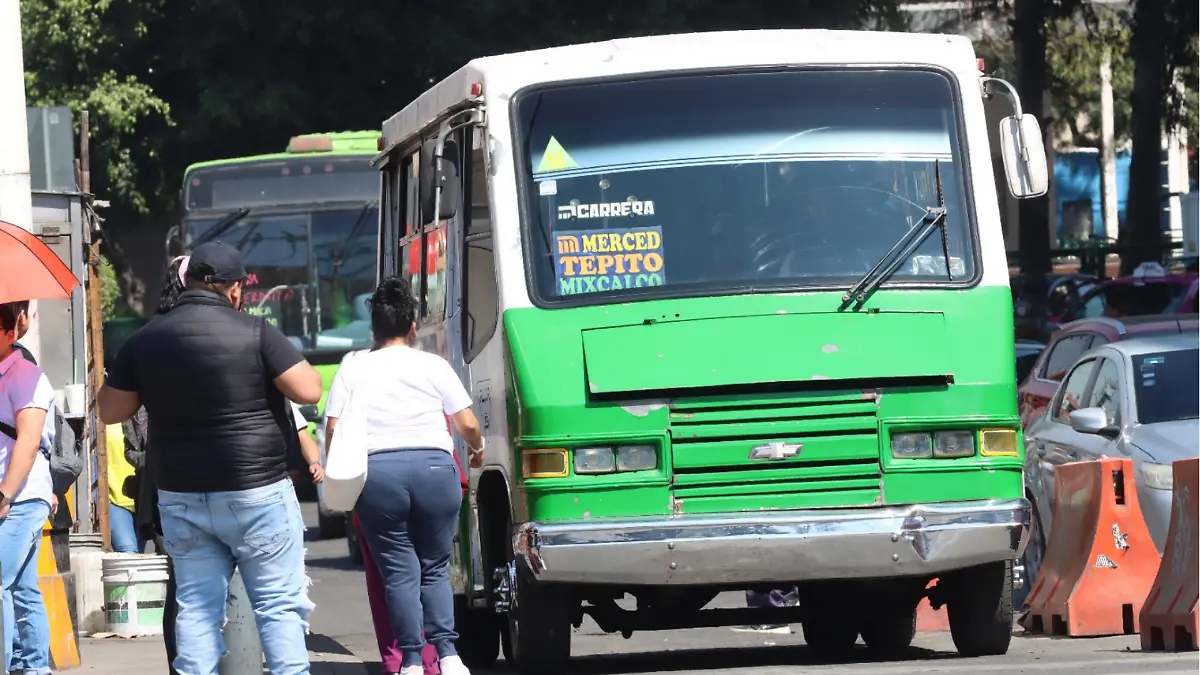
(135, 593)
(87, 559)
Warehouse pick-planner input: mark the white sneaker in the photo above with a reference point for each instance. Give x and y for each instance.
(452, 665)
(412, 670)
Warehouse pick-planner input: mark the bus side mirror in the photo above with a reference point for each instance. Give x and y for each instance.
(1024, 154)
(445, 174)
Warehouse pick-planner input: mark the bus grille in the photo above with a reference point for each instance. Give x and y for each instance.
(836, 465)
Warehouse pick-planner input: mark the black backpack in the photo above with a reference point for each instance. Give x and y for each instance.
(65, 455)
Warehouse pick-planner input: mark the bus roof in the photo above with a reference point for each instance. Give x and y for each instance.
(505, 74)
(362, 143)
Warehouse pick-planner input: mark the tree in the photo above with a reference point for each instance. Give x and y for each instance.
(1164, 49)
(172, 83)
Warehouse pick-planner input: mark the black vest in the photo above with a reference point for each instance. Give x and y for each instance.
(217, 422)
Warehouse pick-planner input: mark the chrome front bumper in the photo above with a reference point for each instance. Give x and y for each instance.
(781, 546)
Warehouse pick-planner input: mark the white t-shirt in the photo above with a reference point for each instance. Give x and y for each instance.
(23, 385)
(408, 394)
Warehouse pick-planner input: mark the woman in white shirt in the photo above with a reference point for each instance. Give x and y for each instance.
(409, 505)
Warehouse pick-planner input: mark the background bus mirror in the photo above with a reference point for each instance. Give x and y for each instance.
(446, 174)
(1024, 155)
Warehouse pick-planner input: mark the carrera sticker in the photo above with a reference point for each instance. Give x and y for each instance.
(555, 158)
(625, 209)
(608, 260)
(548, 188)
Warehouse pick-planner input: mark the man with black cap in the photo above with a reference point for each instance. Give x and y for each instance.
(215, 383)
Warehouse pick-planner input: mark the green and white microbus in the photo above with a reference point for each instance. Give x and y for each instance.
(734, 311)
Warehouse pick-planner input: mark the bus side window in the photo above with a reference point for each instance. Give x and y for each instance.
(481, 294)
(410, 230)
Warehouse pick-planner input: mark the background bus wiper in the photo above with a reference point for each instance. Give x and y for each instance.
(935, 217)
(222, 226)
(339, 251)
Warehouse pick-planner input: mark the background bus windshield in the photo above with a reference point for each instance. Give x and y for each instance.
(311, 268)
(727, 183)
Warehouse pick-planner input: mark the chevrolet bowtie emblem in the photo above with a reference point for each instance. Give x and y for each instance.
(775, 451)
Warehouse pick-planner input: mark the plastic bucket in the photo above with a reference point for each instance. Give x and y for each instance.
(135, 593)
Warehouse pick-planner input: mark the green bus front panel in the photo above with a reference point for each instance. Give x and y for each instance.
(708, 380)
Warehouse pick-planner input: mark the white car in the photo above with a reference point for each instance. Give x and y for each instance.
(1136, 399)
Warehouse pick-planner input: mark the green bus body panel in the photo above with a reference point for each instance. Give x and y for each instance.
(594, 375)
(678, 354)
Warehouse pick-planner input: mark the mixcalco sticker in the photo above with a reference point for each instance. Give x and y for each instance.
(624, 209)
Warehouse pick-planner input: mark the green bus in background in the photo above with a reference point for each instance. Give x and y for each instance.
(306, 221)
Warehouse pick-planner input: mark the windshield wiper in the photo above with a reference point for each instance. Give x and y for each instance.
(935, 217)
(339, 258)
(222, 226)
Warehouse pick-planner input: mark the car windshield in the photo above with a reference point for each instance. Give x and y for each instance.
(1164, 385)
(310, 271)
(731, 183)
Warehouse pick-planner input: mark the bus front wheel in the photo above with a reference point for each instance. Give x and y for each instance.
(981, 609)
(538, 637)
(478, 634)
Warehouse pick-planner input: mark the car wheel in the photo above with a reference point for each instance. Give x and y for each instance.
(1035, 552)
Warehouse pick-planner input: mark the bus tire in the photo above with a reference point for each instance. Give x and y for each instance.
(829, 636)
(538, 629)
(981, 609)
(331, 526)
(478, 634)
(890, 634)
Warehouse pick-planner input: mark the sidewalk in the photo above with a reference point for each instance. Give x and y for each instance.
(147, 656)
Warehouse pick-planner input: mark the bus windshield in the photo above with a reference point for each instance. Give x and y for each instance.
(310, 270)
(728, 183)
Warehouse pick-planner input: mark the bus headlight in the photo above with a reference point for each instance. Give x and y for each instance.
(594, 460)
(621, 459)
(637, 458)
(912, 446)
(954, 444)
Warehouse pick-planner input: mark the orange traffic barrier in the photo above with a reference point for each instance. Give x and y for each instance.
(930, 620)
(57, 583)
(1100, 560)
(1169, 619)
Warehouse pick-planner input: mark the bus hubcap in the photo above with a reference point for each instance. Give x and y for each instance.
(506, 587)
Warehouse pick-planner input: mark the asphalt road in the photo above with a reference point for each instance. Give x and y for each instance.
(342, 626)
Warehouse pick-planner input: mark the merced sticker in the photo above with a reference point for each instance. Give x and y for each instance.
(593, 261)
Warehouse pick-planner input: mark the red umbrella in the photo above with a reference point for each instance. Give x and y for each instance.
(29, 270)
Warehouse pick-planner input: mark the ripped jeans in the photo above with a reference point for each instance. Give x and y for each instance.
(261, 532)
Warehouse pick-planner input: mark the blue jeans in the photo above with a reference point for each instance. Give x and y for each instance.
(408, 511)
(262, 533)
(122, 530)
(26, 625)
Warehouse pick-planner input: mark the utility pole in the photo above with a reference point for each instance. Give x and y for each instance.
(16, 205)
(1108, 153)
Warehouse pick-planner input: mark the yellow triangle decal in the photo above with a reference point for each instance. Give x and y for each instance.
(555, 158)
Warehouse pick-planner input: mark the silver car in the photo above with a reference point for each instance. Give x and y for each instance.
(1137, 399)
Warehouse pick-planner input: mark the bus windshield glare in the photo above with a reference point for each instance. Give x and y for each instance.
(731, 183)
